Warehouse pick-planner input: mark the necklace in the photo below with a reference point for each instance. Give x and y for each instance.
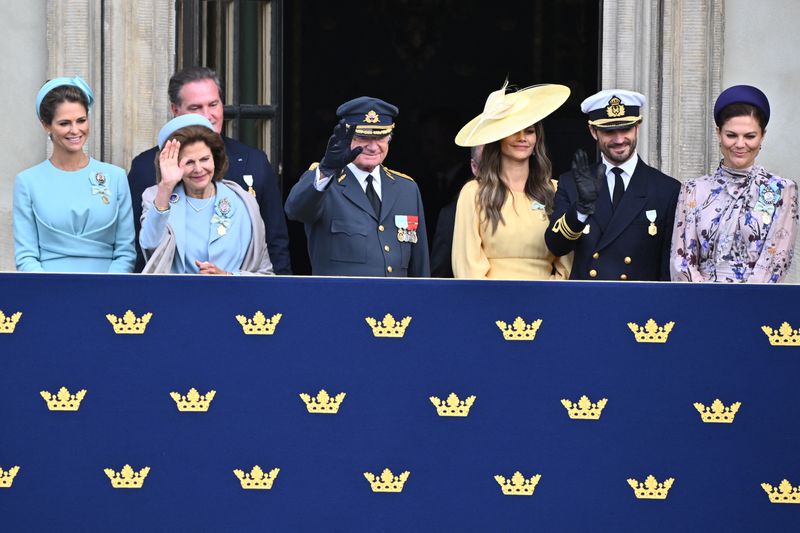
(198, 209)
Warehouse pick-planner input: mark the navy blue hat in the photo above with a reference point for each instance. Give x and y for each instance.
(742, 94)
(370, 116)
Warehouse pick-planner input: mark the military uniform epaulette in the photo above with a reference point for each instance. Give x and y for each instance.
(313, 166)
(393, 173)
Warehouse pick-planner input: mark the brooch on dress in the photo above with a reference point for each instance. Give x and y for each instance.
(768, 196)
(98, 181)
(222, 216)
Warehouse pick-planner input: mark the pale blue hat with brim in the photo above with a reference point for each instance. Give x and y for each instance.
(191, 119)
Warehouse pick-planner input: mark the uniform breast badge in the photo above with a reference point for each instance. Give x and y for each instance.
(222, 216)
(768, 196)
(248, 180)
(406, 228)
(652, 230)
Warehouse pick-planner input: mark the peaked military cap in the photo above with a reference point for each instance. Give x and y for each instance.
(371, 116)
(613, 109)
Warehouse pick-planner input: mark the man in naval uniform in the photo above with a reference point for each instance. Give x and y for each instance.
(617, 214)
(198, 90)
(361, 219)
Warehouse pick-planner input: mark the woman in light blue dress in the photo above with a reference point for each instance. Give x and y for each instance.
(72, 213)
(193, 221)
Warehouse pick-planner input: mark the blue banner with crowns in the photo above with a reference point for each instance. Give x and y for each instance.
(188, 403)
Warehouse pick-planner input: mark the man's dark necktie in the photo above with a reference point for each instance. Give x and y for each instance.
(372, 196)
(619, 188)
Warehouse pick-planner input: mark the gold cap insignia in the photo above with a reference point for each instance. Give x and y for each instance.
(323, 403)
(453, 406)
(518, 485)
(257, 478)
(387, 482)
(615, 108)
(372, 117)
(651, 489)
(127, 478)
(519, 330)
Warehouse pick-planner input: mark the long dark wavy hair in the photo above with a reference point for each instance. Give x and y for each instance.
(492, 191)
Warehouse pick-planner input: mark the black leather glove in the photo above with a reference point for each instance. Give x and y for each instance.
(588, 183)
(339, 154)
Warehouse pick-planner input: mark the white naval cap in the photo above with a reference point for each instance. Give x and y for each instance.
(614, 108)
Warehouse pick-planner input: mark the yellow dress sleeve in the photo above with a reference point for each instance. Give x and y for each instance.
(469, 259)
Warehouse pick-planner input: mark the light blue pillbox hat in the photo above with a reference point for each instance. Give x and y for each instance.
(191, 119)
(77, 81)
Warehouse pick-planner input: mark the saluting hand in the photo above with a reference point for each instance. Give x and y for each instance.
(338, 153)
(587, 183)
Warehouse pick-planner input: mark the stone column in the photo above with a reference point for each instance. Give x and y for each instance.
(126, 51)
(671, 51)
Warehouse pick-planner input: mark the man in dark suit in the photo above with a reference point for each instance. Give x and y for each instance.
(616, 215)
(198, 90)
(361, 219)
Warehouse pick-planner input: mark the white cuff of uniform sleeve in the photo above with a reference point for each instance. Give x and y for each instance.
(581, 217)
(320, 181)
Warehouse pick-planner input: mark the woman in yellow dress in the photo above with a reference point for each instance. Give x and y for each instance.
(502, 214)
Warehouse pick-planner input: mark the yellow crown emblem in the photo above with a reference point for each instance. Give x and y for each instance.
(7, 477)
(783, 336)
(783, 493)
(257, 478)
(193, 401)
(584, 409)
(453, 406)
(651, 332)
(717, 412)
(389, 327)
(518, 485)
(651, 489)
(615, 108)
(127, 478)
(387, 482)
(323, 403)
(519, 330)
(63, 400)
(8, 323)
(372, 117)
(259, 324)
(129, 324)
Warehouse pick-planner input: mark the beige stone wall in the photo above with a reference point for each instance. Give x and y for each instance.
(23, 69)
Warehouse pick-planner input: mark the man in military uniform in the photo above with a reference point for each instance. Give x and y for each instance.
(361, 219)
(617, 214)
(197, 90)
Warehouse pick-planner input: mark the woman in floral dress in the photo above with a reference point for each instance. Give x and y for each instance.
(739, 223)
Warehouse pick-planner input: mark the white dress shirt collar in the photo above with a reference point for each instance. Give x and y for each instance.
(361, 176)
(627, 171)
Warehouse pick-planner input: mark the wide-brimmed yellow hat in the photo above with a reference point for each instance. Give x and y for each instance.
(506, 114)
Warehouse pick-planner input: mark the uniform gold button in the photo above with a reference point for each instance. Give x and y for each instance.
(596, 255)
(380, 228)
(386, 247)
(623, 277)
(389, 269)
(593, 273)
(627, 260)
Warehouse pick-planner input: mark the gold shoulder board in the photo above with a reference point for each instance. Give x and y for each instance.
(393, 173)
